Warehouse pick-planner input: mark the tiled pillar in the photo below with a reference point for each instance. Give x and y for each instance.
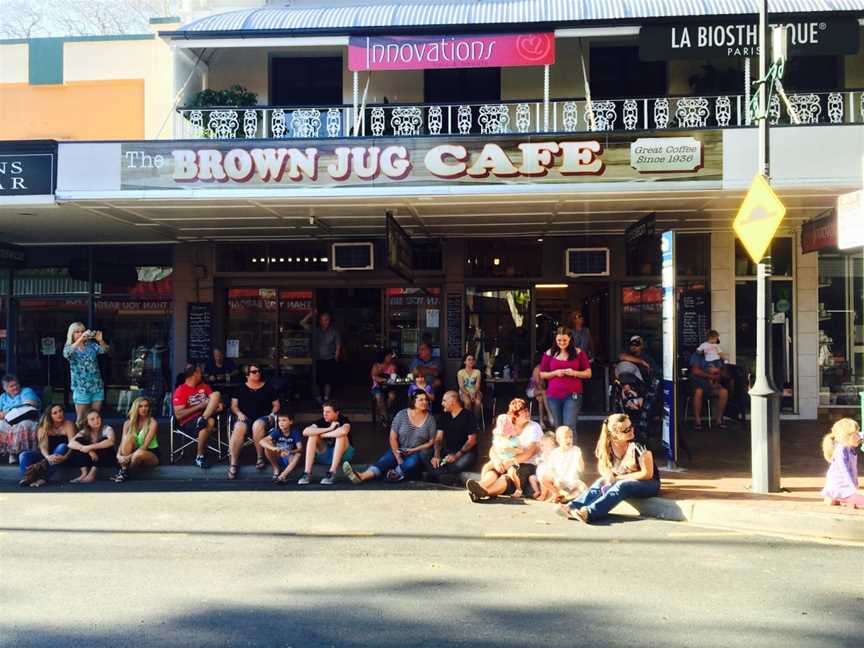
(191, 267)
(807, 332)
(723, 289)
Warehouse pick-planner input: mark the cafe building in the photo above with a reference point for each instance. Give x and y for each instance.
(460, 174)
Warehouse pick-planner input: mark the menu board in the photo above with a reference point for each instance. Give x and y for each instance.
(199, 332)
(693, 319)
(454, 326)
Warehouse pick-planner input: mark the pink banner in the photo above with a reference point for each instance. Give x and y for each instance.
(466, 51)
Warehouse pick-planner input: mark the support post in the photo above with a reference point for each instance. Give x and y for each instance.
(545, 98)
(747, 82)
(355, 104)
(764, 401)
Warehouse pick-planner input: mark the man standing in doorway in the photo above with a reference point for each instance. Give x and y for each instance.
(328, 347)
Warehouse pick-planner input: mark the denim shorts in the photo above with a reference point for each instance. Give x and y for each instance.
(325, 458)
(85, 397)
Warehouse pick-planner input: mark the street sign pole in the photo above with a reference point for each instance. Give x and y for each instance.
(764, 401)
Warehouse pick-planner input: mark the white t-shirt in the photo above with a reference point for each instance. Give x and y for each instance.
(531, 434)
(566, 465)
(712, 351)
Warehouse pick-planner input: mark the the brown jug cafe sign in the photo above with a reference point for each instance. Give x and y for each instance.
(809, 35)
(278, 164)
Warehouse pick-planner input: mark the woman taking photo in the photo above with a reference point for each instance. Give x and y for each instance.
(412, 435)
(82, 349)
(139, 447)
(626, 468)
(564, 367)
(92, 448)
(53, 435)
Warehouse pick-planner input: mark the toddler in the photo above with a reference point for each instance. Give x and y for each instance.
(547, 445)
(567, 465)
(714, 356)
(506, 447)
(840, 448)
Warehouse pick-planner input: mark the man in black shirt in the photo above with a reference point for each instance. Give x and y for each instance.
(456, 440)
(328, 442)
(252, 405)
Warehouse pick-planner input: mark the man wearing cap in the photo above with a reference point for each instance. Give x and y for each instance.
(633, 359)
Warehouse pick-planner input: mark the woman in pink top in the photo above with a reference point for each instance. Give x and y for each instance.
(564, 367)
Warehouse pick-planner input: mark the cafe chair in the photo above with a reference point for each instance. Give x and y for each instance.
(180, 440)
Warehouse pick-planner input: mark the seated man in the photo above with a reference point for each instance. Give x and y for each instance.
(455, 440)
(220, 369)
(328, 442)
(431, 367)
(19, 412)
(705, 380)
(195, 408)
(633, 359)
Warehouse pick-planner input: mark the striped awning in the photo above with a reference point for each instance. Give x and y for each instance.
(377, 14)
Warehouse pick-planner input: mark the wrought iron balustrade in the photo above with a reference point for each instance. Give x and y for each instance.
(510, 117)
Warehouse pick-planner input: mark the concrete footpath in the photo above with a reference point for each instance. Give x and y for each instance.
(714, 491)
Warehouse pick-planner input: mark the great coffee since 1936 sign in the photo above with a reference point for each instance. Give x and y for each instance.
(807, 36)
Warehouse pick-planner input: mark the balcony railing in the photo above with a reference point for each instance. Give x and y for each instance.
(524, 117)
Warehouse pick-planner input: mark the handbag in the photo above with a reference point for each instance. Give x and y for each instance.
(22, 413)
(35, 472)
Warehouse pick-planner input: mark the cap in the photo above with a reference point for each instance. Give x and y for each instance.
(636, 338)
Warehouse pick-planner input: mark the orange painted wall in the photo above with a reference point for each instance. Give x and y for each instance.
(81, 110)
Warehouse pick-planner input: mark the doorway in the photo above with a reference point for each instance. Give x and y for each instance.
(306, 81)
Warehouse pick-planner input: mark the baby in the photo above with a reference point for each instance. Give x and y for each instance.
(506, 447)
(631, 398)
(544, 467)
(714, 356)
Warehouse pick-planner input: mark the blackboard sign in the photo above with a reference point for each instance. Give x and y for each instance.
(199, 332)
(454, 326)
(694, 319)
(400, 256)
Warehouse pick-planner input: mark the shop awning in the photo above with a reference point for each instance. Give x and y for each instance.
(396, 14)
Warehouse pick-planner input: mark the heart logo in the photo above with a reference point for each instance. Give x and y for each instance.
(534, 47)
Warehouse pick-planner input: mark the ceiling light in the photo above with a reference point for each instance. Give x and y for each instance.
(496, 261)
(540, 240)
(324, 259)
(305, 259)
(281, 259)
(273, 260)
(549, 286)
(254, 260)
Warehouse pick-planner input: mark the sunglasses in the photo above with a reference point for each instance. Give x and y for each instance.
(254, 371)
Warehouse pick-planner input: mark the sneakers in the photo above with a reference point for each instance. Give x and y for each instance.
(201, 462)
(350, 473)
(121, 476)
(304, 480)
(13, 458)
(476, 491)
(328, 479)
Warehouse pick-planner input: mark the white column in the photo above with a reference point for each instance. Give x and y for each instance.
(545, 98)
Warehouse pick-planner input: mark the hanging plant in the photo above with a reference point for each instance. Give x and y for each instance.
(236, 95)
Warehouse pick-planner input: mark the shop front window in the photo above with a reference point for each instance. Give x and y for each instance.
(295, 343)
(503, 258)
(499, 331)
(841, 328)
(251, 329)
(413, 317)
(642, 315)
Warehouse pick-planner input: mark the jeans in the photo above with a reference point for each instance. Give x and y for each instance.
(387, 461)
(462, 464)
(599, 503)
(565, 411)
(30, 457)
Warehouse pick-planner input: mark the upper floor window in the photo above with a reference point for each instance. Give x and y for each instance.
(617, 73)
(306, 81)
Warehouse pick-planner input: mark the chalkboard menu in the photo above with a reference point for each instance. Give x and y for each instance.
(693, 319)
(454, 326)
(199, 332)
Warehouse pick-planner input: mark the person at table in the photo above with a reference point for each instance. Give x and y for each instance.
(328, 441)
(253, 404)
(564, 366)
(412, 436)
(53, 435)
(456, 439)
(706, 382)
(139, 447)
(92, 448)
(328, 349)
(634, 359)
(19, 413)
(421, 384)
(581, 333)
(382, 369)
(195, 408)
(219, 369)
(431, 366)
(469, 379)
(82, 349)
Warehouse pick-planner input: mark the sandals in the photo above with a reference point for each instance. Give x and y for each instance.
(232, 471)
(260, 464)
(121, 476)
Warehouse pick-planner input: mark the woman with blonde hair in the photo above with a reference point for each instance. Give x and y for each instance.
(840, 449)
(82, 349)
(92, 448)
(53, 434)
(626, 468)
(139, 447)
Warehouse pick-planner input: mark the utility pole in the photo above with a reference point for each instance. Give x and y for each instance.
(764, 400)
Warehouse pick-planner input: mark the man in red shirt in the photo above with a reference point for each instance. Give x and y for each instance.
(195, 408)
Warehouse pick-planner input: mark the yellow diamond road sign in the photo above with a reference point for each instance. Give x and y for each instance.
(758, 218)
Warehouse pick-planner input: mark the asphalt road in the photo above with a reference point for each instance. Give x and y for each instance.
(144, 565)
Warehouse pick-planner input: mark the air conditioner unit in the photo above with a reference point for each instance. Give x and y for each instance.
(353, 256)
(586, 262)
